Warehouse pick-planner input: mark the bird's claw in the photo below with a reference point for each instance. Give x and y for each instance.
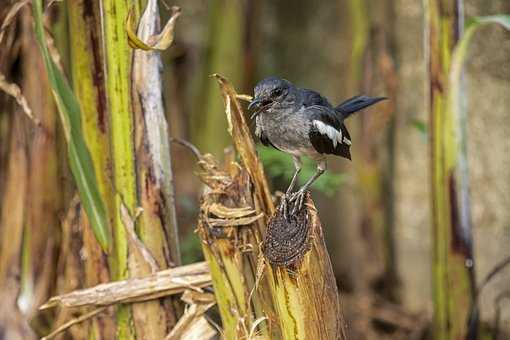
(298, 198)
(284, 206)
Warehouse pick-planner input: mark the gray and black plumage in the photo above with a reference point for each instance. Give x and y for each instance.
(301, 122)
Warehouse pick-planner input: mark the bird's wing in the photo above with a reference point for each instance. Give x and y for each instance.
(310, 98)
(328, 134)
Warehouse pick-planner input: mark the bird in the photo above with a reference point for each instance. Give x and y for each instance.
(302, 122)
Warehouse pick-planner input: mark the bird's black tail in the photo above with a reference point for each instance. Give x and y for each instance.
(355, 104)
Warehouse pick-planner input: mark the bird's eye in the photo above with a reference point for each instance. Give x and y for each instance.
(276, 92)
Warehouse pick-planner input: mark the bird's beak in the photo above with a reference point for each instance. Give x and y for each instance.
(255, 104)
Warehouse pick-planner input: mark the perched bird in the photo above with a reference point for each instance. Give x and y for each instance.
(301, 122)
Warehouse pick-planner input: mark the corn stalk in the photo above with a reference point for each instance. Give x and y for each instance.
(87, 70)
(453, 262)
(295, 299)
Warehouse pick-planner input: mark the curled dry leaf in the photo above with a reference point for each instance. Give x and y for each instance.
(229, 216)
(211, 174)
(14, 91)
(222, 211)
(220, 222)
(160, 41)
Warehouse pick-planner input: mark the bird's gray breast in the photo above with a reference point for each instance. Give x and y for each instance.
(288, 131)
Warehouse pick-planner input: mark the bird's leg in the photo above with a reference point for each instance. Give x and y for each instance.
(297, 166)
(299, 195)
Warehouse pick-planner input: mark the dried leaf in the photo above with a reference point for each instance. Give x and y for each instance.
(244, 144)
(199, 303)
(200, 329)
(155, 165)
(73, 322)
(222, 211)
(219, 222)
(163, 283)
(245, 97)
(137, 244)
(211, 174)
(14, 91)
(11, 15)
(192, 296)
(160, 41)
(253, 330)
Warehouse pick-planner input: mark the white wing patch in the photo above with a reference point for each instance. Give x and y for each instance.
(332, 133)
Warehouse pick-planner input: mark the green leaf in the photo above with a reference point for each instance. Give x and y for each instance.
(79, 157)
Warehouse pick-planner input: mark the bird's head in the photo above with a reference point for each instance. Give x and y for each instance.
(271, 95)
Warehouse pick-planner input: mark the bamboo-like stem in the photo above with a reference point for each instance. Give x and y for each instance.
(153, 148)
(87, 69)
(303, 304)
(453, 263)
(157, 225)
(117, 75)
(306, 294)
(124, 125)
(234, 257)
(88, 85)
(228, 230)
